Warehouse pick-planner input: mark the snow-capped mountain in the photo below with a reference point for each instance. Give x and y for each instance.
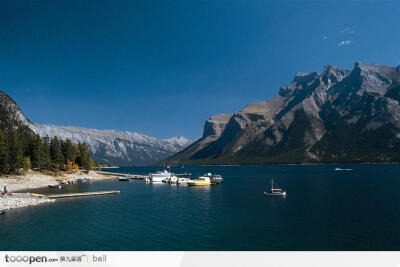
(117, 147)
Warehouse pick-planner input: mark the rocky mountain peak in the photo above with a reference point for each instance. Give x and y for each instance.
(215, 125)
(338, 115)
(11, 115)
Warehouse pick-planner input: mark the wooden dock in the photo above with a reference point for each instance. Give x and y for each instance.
(83, 194)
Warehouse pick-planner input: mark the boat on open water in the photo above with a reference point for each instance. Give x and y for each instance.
(274, 191)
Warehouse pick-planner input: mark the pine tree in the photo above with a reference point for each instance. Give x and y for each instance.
(56, 153)
(4, 155)
(16, 153)
(68, 150)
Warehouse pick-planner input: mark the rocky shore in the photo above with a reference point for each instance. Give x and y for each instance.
(33, 180)
(20, 200)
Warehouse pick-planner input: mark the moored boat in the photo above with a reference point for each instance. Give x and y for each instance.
(201, 181)
(2, 212)
(159, 177)
(214, 178)
(274, 191)
(183, 181)
(123, 179)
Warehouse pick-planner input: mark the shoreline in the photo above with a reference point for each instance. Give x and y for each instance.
(19, 186)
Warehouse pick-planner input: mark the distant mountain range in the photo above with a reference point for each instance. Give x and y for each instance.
(338, 115)
(107, 146)
(120, 148)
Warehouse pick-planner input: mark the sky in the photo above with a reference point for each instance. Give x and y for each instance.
(163, 67)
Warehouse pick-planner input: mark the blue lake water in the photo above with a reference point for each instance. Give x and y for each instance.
(324, 210)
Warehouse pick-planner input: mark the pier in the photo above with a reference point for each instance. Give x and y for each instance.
(83, 194)
(130, 176)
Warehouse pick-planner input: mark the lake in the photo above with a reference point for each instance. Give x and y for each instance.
(324, 210)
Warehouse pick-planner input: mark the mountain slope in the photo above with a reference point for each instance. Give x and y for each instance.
(117, 147)
(11, 115)
(333, 116)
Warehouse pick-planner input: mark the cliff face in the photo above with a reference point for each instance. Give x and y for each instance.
(337, 115)
(11, 115)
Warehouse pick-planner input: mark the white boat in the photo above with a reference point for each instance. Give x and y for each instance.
(173, 179)
(159, 176)
(183, 181)
(274, 191)
(214, 178)
(340, 169)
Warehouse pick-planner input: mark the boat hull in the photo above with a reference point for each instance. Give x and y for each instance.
(274, 194)
(198, 184)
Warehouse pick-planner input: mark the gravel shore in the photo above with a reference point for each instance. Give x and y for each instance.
(32, 180)
(19, 200)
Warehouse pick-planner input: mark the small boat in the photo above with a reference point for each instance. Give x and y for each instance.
(54, 186)
(2, 212)
(81, 180)
(37, 195)
(275, 191)
(123, 179)
(340, 169)
(173, 180)
(214, 178)
(183, 181)
(201, 181)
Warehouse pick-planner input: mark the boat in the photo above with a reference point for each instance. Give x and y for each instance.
(274, 191)
(81, 180)
(183, 181)
(340, 169)
(54, 186)
(37, 195)
(201, 181)
(159, 176)
(173, 179)
(214, 178)
(123, 179)
(2, 212)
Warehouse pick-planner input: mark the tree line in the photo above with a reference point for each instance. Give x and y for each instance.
(23, 150)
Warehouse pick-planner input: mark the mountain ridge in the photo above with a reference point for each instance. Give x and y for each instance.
(117, 147)
(302, 123)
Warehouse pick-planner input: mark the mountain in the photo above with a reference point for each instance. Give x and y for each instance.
(335, 116)
(120, 148)
(10, 114)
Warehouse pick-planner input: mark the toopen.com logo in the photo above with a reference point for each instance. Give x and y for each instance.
(27, 259)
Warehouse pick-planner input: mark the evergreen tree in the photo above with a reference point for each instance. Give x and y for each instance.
(36, 151)
(56, 152)
(45, 154)
(69, 150)
(84, 158)
(4, 155)
(16, 153)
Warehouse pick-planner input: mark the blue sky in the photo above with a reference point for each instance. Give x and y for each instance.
(163, 67)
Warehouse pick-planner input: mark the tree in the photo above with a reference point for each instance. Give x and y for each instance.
(69, 150)
(83, 159)
(4, 155)
(16, 153)
(56, 153)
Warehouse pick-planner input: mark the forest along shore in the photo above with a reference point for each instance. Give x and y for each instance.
(32, 180)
